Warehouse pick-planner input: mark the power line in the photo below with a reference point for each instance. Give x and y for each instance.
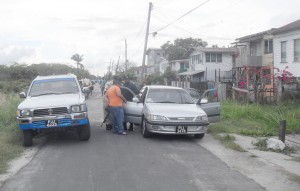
(183, 16)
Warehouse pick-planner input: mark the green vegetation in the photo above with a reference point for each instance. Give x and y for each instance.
(10, 135)
(257, 120)
(228, 141)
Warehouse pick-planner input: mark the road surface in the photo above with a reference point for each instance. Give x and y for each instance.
(110, 162)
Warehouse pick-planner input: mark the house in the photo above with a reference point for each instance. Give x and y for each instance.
(254, 60)
(210, 64)
(137, 72)
(154, 57)
(179, 66)
(287, 48)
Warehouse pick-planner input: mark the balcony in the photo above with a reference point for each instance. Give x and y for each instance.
(249, 61)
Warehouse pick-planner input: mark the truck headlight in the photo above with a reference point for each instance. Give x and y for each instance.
(151, 117)
(203, 118)
(78, 108)
(24, 112)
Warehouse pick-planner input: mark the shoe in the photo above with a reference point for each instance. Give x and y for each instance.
(123, 133)
(130, 129)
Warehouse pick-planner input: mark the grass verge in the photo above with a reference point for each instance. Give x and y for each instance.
(228, 142)
(257, 120)
(10, 135)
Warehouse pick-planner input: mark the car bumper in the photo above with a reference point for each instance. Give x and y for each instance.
(63, 121)
(170, 128)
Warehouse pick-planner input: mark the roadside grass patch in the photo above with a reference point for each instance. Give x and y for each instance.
(10, 135)
(228, 142)
(257, 120)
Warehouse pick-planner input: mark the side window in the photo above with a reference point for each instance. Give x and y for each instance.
(142, 100)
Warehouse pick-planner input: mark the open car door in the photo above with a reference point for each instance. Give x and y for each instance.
(211, 109)
(132, 110)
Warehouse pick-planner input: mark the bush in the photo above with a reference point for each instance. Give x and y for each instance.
(10, 135)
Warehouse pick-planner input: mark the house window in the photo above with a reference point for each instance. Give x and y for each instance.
(268, 46)
(283, 51)
(219, 57)
(297, 50)
(213, 57)
(197, 59)
(207, 57)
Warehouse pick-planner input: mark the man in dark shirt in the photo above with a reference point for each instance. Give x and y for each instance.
(128, 96)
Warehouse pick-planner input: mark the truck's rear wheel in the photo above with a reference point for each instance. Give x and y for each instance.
(27, 138)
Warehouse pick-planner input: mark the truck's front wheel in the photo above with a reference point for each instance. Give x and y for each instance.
(84, 132)
(27, 138)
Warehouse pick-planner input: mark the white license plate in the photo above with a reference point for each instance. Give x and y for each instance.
(181, 129)
(51, 123)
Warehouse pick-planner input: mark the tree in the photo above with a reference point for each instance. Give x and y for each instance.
(78, 58)
(169, 75)
(180, 49)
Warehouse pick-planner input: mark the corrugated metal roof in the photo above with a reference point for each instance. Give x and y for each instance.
(289, 27)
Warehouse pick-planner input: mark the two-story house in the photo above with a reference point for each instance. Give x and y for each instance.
(287, 48)
(210, 64)
(154, 57)
(254, 60)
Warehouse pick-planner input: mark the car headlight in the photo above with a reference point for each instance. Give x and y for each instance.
(24, 112)
(202, 118)
(151, 117)
(78, 108)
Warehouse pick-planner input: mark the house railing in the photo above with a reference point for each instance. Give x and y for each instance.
(249, 61)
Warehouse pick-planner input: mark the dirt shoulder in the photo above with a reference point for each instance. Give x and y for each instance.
(274, 171)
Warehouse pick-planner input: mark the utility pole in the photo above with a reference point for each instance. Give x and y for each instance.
(146, 41)
(126, 61)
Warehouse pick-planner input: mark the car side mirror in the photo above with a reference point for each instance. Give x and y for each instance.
(135, 99)
(22, 95)
(202, 101)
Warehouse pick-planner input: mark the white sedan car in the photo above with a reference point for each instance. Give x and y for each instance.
(170, 110)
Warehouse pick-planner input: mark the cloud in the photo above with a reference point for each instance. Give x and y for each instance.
(9, 54)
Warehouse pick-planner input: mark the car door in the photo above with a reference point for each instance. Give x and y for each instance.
(132, 110)
(212, 109)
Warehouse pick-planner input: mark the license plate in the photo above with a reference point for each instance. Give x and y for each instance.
(51, 123)
(181, 129)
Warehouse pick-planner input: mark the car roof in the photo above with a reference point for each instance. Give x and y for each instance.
(55, 76)
(162, 87)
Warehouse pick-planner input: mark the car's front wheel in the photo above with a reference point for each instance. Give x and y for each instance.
(199, 136)
(84, 132)
(145, 132)
(27, 138)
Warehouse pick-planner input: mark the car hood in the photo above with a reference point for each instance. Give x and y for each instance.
(175, 110)
(47, 101)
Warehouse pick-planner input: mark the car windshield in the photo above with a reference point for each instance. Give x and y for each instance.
(177, 96)
(53, 86)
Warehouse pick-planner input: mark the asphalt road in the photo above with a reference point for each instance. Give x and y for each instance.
(129, 162)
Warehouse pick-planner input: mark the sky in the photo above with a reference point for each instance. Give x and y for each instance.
(51, 31)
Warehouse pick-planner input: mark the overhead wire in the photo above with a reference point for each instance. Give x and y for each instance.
(183, 15)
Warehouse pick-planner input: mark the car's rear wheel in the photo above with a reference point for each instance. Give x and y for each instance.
(27, 138)
(145, 132)
(199, 136)
(84, 132)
